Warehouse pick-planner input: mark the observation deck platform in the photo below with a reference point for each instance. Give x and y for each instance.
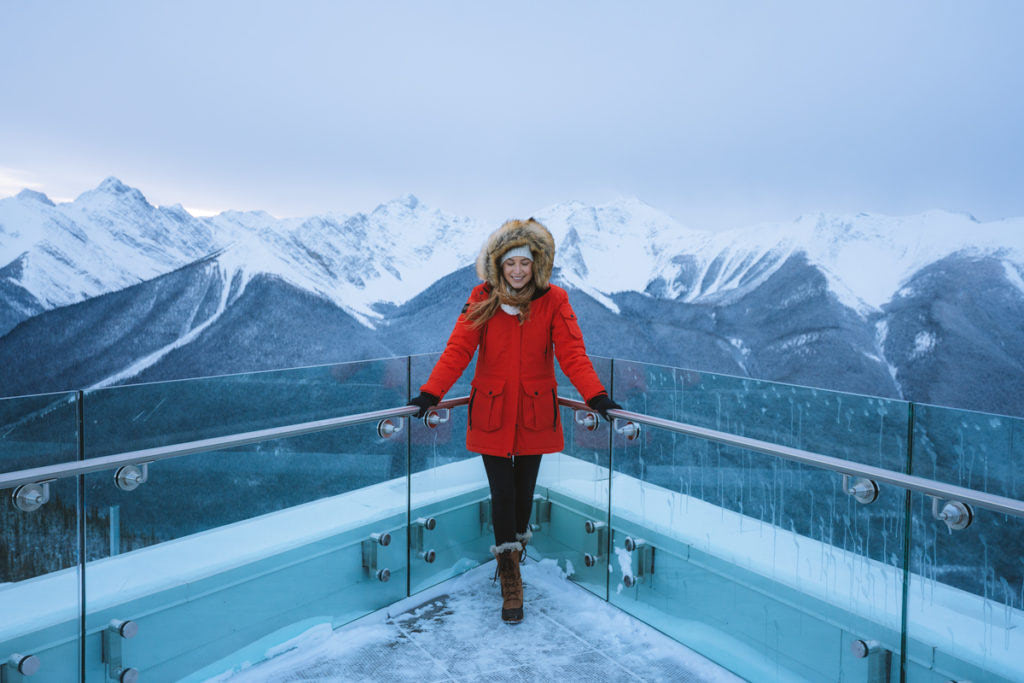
(299, 525)
(453, 632)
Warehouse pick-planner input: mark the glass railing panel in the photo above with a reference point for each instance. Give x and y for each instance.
(449, 529)
(570, 512)
(222, 556)
(966, 595)
(763, 565)
(40, 577)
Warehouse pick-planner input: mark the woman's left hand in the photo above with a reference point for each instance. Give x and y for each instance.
(602, 404)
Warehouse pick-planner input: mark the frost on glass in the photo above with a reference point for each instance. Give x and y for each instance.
(743, 538)
(39, 550)
(448, 492)
(196, 492)
(967, 587)
(254, 541)
(571, 504)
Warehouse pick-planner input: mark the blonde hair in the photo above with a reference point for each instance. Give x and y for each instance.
(481, 311)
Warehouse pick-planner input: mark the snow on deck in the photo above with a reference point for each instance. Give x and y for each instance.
(454, 632)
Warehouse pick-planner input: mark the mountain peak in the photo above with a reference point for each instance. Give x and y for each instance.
(32, 195)
(113, 184)
(407, 202)
(113, 188)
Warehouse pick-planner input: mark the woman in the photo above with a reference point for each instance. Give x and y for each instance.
(515, 318)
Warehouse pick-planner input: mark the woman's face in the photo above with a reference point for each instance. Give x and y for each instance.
(517, 270)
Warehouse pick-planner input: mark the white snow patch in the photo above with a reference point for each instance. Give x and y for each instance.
(924, 342)
(311, 638)
(151, 358)
(1013, 275)
(881, 333)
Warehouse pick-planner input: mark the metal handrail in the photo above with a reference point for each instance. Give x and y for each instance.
(932, 488)
(907, 481)
(37, 475)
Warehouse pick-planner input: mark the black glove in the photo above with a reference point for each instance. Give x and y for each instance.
(602, 404)
(424, 402)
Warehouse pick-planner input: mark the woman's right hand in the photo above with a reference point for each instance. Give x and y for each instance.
(424, 402)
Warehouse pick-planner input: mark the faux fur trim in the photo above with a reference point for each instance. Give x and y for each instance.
(525, 537)
(515, 233)
(511, 545)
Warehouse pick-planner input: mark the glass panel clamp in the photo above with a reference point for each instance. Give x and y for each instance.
(864, 491)
(642, 561)
(627, 428)
(417, 543)
(373, 556)
(18, 667)
(955, 514)
(486, 524)
(31, 497)
(541, 512)
(879, 659)
(114, 635)
(436, 416)
(595, 542)
(586, 419)
(130, 477)
(387, 427)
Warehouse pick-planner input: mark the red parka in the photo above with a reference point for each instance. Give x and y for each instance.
(513, 405)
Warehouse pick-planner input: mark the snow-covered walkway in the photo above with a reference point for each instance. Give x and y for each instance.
(453, 632)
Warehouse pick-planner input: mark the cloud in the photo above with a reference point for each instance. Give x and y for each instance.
(13, 181)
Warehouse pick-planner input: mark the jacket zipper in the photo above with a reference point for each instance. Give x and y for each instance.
(472, 395)
(554, 410)
(519, 392)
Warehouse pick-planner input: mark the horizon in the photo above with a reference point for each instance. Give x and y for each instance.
(611, 202)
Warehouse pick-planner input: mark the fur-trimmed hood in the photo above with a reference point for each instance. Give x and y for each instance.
(516, 233)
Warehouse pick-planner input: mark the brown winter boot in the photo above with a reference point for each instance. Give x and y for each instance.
(507, 555)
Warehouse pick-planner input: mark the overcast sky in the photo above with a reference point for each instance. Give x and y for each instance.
(719, 113)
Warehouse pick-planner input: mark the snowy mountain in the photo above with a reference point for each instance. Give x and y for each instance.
(914, 306)
(107, 239)
(111, 237)
(357, 262)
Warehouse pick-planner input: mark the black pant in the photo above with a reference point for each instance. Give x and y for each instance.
(512, 481)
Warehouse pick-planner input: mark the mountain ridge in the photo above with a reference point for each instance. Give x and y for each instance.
(765, 296)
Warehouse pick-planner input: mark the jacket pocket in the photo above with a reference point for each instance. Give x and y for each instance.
(540, 411)
(488, 401)
(569, 318)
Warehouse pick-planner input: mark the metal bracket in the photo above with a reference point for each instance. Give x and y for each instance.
(485, 517)
(373, 556)
(435, 417)
(387, 427)
(595, 542)
(130, 477)
(627, 428)
(114, 635)
(879, 659)
(644, 553)
(18, 667)
(955, 514)
(31, 497)
(416, 540)
(864, 491)
(541, 512)
(586, 419)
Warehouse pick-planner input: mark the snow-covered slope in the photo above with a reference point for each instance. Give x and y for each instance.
(386, 256)
(107, 239)
(111, 237)
(864, 303)
(630, 246)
